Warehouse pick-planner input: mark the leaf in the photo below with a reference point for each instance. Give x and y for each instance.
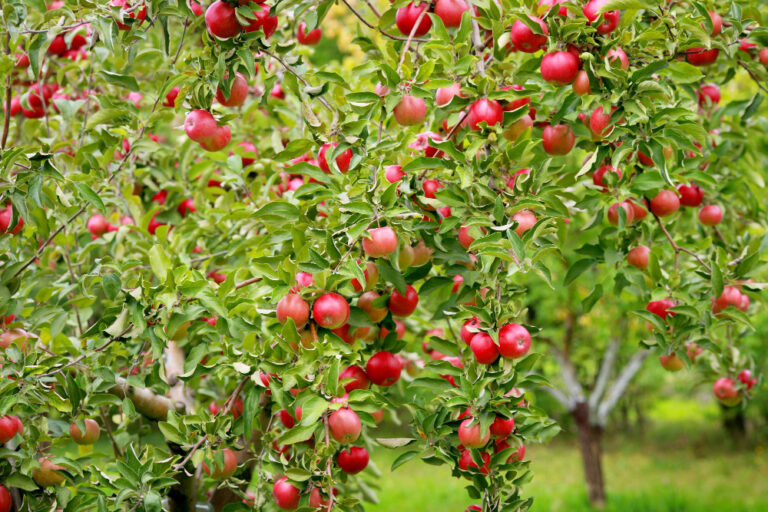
(717, 278)
(390, 275)
(111, 284)
(159, 262)
(403, 458)
(23, 482)
(126, 81)
(394, 442)
(612, 5)
(297, 434)
(85, 192)
(577, 269)
(278, 212)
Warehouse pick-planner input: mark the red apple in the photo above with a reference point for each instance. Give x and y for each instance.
(638, 257)
(5, 499)
(48, 474)
(558, 139)
(330, 310)
(186, 206)
(717, 23)
(764, 57)
(546, 5)
(97, 225)
(221, 138)
(469, 329)
(690, 195)
(613, 212)
(401, 305)
(610, 18)
(263, 20)
(342, 161)
(709, 94)
(502, 427)
(371, 274)
(353, 460)
(384, 368)
(524, 39)
(617, 54)
(238, 92)
(471, 436)
(286, 496)
(710, 215)
(661, 308)
(310, 38)
(406, 18)
(344, 425)
(725, 391)
(90, 436)
(581, 84)
(559, 68)
(223, 469)
(514, 341)
(665, 203)
(525, 220)
(294, 307)
(131, 11)
(358, 376)
(450, 11)
(597, 177)
(485, 110)
(410, 110)
(444, 95)
(221, 20)
(701, 56)
(380, 242)
(599, 123)
(484, 348)
(200, 125)
(365, 302)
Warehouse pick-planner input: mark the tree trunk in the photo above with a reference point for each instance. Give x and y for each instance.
(734, 423)
(591, 454)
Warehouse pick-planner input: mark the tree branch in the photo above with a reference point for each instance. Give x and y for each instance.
(565, 400)
(620, 386)
(386, 34)
(575, 391)
(606, 369)
(678, 249)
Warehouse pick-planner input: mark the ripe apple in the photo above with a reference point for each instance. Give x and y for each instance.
(465, 239)
(293, 306)
(380, 242)
(665, 203)
(599, 175)
(238, 92)
(263, 20)
(401, 305)
(581, 84)
(546, 5)
(310, 38)
(466, 463)
(613, 212)
(701, 56)
(406, 18)
(514, 341)
(342, 161)
(221, 20)
(764, 57)
(709, 94)
(48, 474)
(6, 215)
(485, 110)
(91, 434)
(725, 391)
(599, 123)
(353, 460)
(393, 173)
(371, 274)
(469, 329)
(717, 23)
(638, 257)
(132, 11)
(560, 68)
(222, 469)
(710, 215)
(450, 11)
(421, 254)
(690, 195)
(345, 425)
(200, 125)
(518, 128)
(286, 496)
(384, 368)
(661, 307)
(221, 138)
(617, 54)
(9, 427)
(444, 95)
(330, 310)
(365, 302)
(471, 436)
(410, 110)
(671, 362)
(358, 376)
(502, 427)
(731, 296)
(524, 39)
(5, 499)
(525, 220)
(97, 225)
(610, 18)
(745, 377)
(558, 139)
(484, 348)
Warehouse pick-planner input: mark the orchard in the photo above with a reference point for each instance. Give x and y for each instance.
(238, 237)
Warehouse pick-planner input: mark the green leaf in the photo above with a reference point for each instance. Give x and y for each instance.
(403, 458)
(129, 82)
(159, 262)
(111, 284)
(390, 275)
(577, 269)
(87, 194)
(278, 212)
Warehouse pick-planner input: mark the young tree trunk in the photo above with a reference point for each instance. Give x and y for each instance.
(591, 454)
(734, 422)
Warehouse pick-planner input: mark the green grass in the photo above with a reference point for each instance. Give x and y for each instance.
(640, 478)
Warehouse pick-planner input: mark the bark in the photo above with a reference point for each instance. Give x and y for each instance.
(183, 496)
(590, 437)
(734, 423)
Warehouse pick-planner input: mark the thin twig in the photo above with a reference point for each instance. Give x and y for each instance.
(58, 28)
(678, 249)
(7, 116)
(407, 44)
(100, 348)
(108, 428)
(247, 282)
(301, 79)
(374, 10)
(233, 397)
(189, 455)
(754, 77)
(384, 33)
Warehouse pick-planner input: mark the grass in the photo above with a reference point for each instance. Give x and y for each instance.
(639, 478)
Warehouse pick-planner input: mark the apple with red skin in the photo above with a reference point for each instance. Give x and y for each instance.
(9, 427)
(581, 84)
(610, 18)
(221, 21)
(6, 502)
(617, 54)
(764, 57)
(384, 368)
(91, 434)
(558, 139)
(745, 377)
(393, 173)
(380, 242)
(469, 329)
(502, 427)
(478, 508)
(710, 215)
(599, 175)
(709, 94)
(471, 435)
(661, 307)
(286, 496)
(371, 274)
(48, 474)
(6, 215)
(690, 195)
(546, 5)
(701, 56)
(221, 138)
(222, 471)
(484, 348)
(485, 110)
(406, 18)
(731, 296)
(559, 67)
(430, 187)
(639, 256)
(365, 302)
(524, 39)
(294, 307)
(665, 203)
(134, 12)
(514, 341)
(671, 362)
(725, 391)
(410, 110)
(403, 305)
(263, 20)
(238, 92)
(97, 225)
(342, 161)
(717, 23)
(310, 38)
(525, 220)
(466, 462)
(345, 425)
(287, 419)
(200, 125)
(186, 206)
(465, 239)
(450, 11)
(421, 254)
(330, 310)
(444, 95)
(518, 128)
(353, 460)
(358, 376)
(599, 123)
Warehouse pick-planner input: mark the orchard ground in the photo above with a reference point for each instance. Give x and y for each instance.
(682, 462)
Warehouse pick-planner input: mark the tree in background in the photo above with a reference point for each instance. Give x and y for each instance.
(220, 256)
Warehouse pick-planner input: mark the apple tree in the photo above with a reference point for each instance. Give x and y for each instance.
(222, 250)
